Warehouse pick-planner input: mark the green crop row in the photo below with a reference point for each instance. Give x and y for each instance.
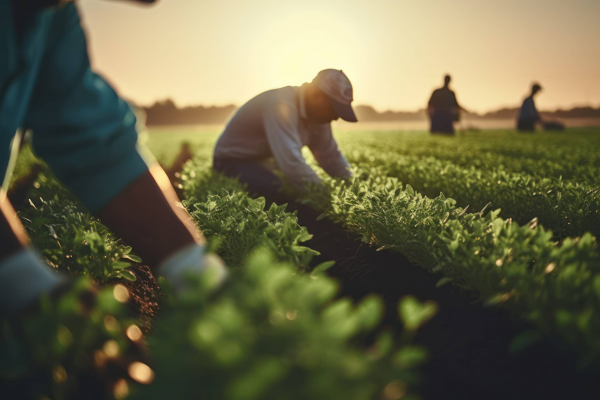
(74, 242)
(272, 333)
(274, 330)
(240, 223)
(567, 208)
(554, 286)
(572, 155)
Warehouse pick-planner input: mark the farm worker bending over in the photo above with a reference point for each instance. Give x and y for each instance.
(88, 137)
(443, 109)
(529, 116)
(276, 125)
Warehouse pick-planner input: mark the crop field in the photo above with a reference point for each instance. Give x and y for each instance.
(506, 223)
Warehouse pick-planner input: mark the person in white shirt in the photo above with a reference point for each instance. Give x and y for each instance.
(276, 125)
(529, 116)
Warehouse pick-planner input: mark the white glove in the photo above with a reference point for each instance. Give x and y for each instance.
(24, 276)
(191, 259)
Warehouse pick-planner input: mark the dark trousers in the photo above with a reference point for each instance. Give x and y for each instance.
(260, 180)
(526, 125)
(442, 121)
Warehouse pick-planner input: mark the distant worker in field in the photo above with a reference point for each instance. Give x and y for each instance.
(529, 115)
(269, 131)
(443, 109)
(88, 137)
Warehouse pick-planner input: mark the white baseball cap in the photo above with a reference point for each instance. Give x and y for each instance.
(335, 84)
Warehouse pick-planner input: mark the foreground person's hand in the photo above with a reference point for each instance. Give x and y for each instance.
(191, 259)
(24, 277)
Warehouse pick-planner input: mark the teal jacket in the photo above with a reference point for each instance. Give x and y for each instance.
(81, 128)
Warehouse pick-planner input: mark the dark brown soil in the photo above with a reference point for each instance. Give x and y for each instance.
(144, 295)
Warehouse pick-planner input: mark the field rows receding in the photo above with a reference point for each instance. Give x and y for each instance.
(572, 156)
(553, 285)
(567, 208)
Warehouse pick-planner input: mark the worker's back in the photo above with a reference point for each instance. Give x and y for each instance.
(528, 109)
(443, 99)
(244, 136)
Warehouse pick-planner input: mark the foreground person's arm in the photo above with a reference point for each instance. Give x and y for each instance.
(144, 214)
(88, 137)
(146, 217)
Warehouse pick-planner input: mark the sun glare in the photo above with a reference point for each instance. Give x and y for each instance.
(295, 48)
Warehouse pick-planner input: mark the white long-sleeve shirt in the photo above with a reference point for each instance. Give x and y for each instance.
(274, 124)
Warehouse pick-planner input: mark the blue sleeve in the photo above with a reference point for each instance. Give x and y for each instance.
(81, 128)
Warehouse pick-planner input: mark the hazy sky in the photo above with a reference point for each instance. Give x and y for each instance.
(394, 51)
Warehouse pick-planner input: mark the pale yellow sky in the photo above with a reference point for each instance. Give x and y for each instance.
(394, 51)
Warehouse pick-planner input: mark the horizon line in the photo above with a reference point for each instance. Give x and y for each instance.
(378, 110)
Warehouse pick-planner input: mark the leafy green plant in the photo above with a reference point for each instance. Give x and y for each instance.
(554, 285)
(241, 224)
(237, 223)
(78, 346)
(567, 208)
(275, 333)
(75, 242)
(26, 162)
(572, 156)
(273, 330)
(199, 181)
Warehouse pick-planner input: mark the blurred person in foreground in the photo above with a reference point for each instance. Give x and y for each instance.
(443, 109)
(269, 131)
(529, 115)
(88, 137)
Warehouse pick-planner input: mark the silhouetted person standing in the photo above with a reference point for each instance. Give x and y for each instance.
(529, 116)
(443, 109)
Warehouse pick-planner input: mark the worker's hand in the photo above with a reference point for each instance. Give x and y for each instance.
(191, 259)
(24, 277)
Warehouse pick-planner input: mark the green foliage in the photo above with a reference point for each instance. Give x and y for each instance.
(273, 330)
(75, 242)
(414, 314)
(554, 285)
(567, 208)
(241, 224)
(50, 353)
(199, 181)
(572, 156)
(237, 223)
(273, 333)
(549, 180)
(276, 331)
(25, 163)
